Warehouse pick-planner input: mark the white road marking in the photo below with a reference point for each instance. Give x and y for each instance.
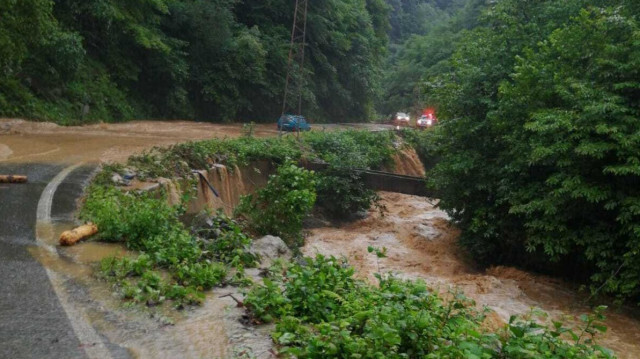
(89, 339)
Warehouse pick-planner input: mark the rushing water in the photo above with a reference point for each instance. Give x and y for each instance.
(422, 244)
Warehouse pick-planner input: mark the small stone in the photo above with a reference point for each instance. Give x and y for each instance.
(129, 174)
(268, 249)
(117, 179)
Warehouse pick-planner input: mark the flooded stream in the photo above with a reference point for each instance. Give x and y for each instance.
(422, 244)
(419, 239)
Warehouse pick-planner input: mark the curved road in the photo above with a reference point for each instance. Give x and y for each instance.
(34, 322)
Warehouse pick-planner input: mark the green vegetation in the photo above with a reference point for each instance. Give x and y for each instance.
(78, 61)
(538, 149)
(279, 208)
(179, 263)
(173, 264)
(321, 311)
(424, 35)
(340, 191)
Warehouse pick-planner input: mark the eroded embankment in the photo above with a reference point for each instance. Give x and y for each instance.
(422, 244)
(212, 330)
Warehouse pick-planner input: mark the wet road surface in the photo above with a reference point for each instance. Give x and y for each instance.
(33, 323)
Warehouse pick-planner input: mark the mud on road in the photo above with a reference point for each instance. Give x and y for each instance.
(25, 141)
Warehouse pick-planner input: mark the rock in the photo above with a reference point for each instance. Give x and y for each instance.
(360, 215)
(117, 179)
(129, 174)
(268, 249)
(202, 220)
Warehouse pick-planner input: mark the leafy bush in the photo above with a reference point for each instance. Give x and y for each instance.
(321, 311)
(127, 217)
(280, 207)
(539, 154)
(226, 242)
(341, 191)
(352, 148)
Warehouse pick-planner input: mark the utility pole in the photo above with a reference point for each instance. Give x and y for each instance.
(292, 102)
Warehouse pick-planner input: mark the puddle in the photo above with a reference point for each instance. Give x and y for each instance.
(94, 252)
(421, 244)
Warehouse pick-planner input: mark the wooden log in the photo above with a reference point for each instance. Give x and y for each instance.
(13, 179)
(69, 238)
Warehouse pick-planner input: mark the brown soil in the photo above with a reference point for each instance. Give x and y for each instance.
(422, 244)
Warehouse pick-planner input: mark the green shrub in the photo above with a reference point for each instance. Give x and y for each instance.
(352, 148)
(201, 275)
(279, 208)
(173, 264)
(226, 242)
(128, 217)
(342, 193)
(321, 311)
(540, 143)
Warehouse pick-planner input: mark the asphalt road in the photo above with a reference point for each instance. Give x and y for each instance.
(33, 323)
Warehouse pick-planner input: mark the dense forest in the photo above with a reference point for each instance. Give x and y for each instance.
(74, 61)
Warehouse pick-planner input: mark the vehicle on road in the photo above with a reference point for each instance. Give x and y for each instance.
(426, 121)
(400, 119)
(293, 123)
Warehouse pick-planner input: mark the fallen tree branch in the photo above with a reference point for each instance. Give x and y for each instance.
(13, 179)
(239, 302)
(69, 238)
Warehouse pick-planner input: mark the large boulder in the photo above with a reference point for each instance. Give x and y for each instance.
(270, 248)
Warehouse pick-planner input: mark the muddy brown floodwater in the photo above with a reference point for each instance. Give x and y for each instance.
(421, 243)
(25, 141)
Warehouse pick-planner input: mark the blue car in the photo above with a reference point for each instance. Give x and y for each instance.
(293, 123)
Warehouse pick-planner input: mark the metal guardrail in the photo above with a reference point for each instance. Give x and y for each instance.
(382, 181)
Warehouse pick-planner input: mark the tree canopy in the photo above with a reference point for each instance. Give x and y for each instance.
(539, 143)
(218, 60)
